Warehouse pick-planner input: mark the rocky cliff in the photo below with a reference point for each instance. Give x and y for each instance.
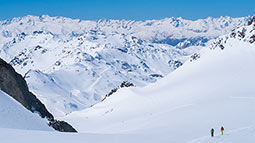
(14, 85)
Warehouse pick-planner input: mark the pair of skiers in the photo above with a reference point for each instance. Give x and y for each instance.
(212, 131)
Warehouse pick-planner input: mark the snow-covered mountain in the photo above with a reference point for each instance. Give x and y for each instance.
(239, 36)
(215, 90)
(72, 64)
(212, 90)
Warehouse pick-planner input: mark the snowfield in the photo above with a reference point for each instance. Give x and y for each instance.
(245, 135)
(14, 116)
(213, 91)
(72, 64)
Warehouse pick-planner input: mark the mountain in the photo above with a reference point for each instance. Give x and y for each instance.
(72, 64)
(237, 36)
(15, 86)
(212, 91)
(213, 88)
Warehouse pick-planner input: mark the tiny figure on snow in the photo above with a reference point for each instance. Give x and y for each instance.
(222, 129)
(212, 132)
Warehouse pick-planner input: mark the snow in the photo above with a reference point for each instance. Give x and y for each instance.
(64, 60)
(245, 134)
(14, 116)
(213, 91)
(234, 136)
(59, 72)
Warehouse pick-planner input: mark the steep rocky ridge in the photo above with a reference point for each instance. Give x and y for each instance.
(14, 85)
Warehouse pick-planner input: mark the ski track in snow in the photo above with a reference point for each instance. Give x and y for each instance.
(97, 80)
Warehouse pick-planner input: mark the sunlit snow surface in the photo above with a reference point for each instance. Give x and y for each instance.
(72, 64)
(213, 91)
(14, 116)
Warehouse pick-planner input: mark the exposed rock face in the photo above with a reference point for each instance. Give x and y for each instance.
(194, 57)
(122, 85)
(245, 34)
(62, 126)
(126, 84)
(14, 85)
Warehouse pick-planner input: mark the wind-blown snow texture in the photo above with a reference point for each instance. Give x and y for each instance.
(13, 115)
(72, 64)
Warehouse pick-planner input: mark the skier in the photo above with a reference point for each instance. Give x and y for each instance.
(222, 129)
(212, 132)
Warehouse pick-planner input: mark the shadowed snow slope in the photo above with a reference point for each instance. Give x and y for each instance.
(215, 90)
(13, 115)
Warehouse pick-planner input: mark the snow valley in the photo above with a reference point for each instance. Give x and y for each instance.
(188, 77)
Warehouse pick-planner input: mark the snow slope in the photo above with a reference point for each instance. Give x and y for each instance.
(245, 135)
(14, 116)
(213, 91)
(71, 64)
(236, 136)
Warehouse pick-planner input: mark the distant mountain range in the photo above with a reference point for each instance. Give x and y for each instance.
(72, 64)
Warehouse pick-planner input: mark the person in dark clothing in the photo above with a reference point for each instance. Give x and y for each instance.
(222, 129)
(212, 132)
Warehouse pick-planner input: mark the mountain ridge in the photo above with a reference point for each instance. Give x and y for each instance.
(15, 86)
(100, 55)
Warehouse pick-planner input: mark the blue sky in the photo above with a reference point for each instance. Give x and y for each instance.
(127, 9)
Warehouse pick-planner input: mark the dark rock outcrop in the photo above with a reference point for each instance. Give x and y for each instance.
(62, 126)
(15, 86)
(126, 84)
(194, 57)
(122, 85)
